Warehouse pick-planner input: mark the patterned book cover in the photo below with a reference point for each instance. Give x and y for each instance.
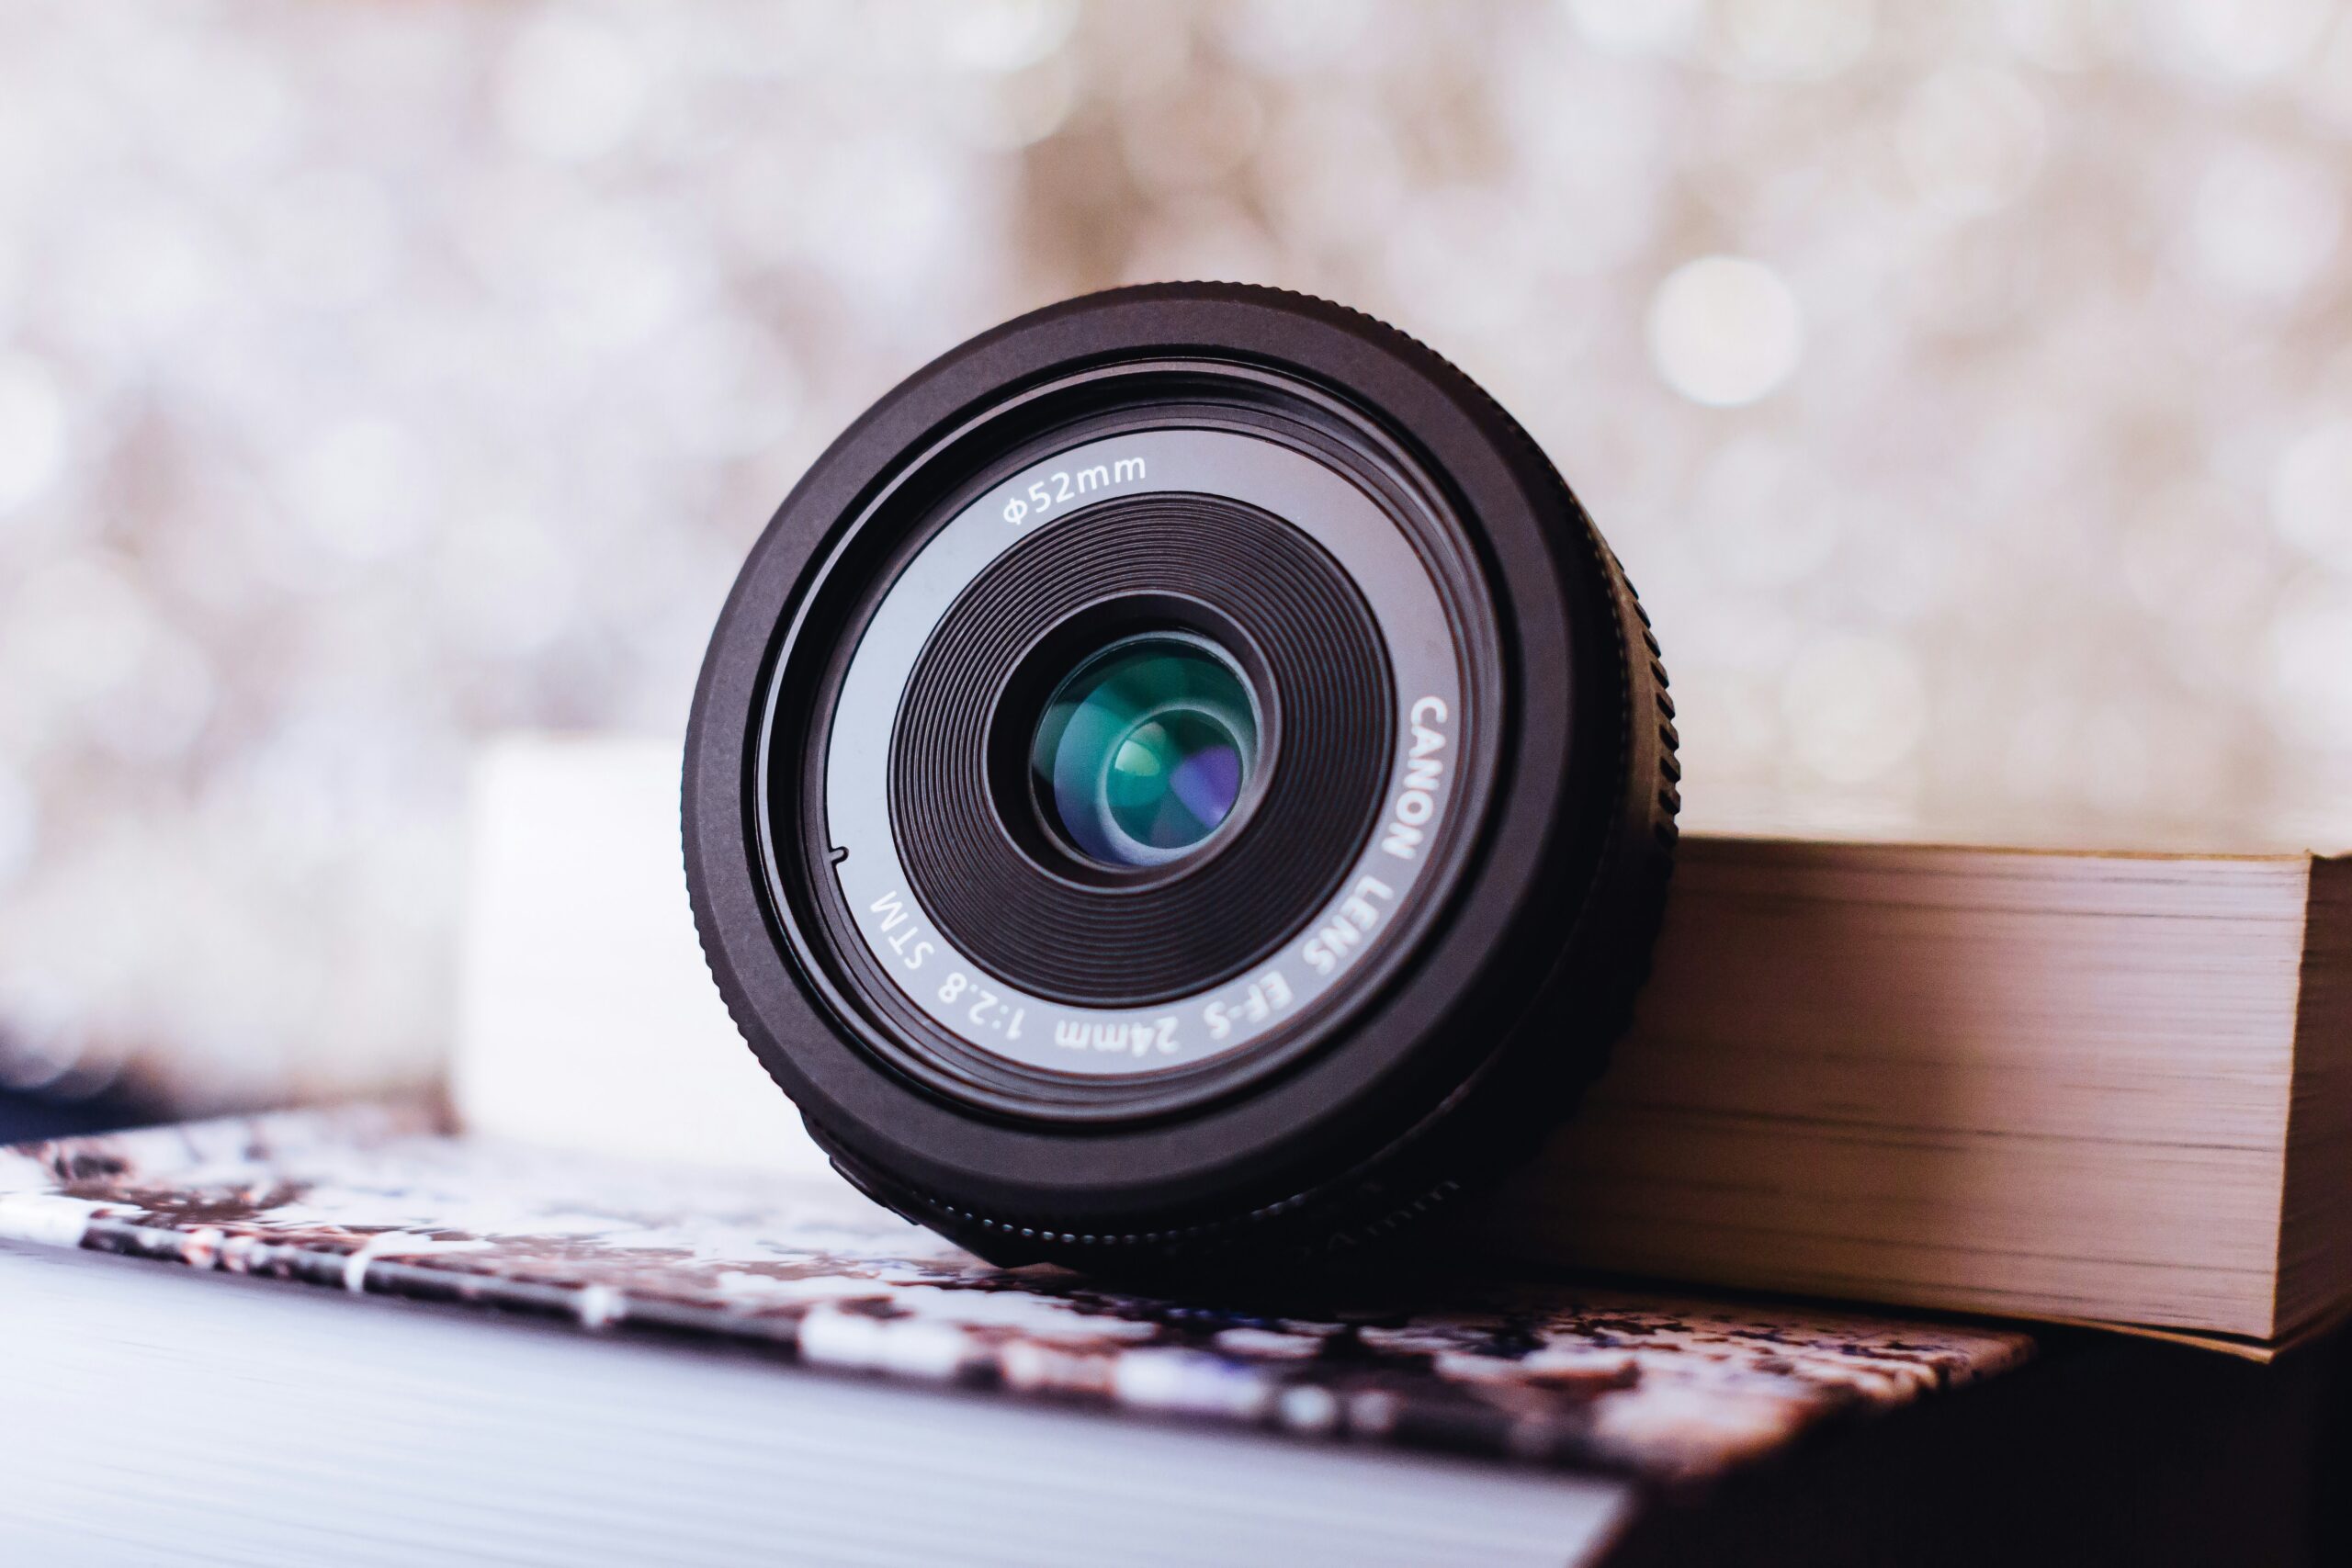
(379, 1200)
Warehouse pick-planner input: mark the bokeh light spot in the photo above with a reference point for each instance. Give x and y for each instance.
(1724, 331)
(33, 431)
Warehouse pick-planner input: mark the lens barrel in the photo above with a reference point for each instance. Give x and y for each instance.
(1180, 782)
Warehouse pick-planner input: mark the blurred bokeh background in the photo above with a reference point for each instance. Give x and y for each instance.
(1968, 387)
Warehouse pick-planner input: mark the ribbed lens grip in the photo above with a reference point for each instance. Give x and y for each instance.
(1132, 944)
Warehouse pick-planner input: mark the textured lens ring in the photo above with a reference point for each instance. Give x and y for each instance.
(1136, 944)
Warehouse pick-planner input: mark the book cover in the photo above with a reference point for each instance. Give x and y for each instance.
(380, 1200)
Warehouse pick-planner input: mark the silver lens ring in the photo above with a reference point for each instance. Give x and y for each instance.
(993, 1014)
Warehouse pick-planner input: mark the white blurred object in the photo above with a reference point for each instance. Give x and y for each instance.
(313, 1430)
(587, 1019)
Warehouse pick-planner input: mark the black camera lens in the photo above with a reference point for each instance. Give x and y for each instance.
(1180, 782)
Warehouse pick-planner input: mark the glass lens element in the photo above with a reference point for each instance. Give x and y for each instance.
(1144, 749)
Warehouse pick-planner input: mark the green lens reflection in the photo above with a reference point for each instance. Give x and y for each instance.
(1144, 750)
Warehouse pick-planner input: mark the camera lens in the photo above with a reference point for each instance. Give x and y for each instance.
(1180, 781)
(1143, 750)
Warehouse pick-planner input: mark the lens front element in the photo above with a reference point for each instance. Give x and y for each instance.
(1144, 750)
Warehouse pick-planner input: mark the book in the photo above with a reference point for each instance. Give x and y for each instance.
(2108, 1088)
(276, 1413)
(2095, 1086)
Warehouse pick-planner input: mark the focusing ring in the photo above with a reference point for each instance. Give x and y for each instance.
(1136, 941)
(1481, 997)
